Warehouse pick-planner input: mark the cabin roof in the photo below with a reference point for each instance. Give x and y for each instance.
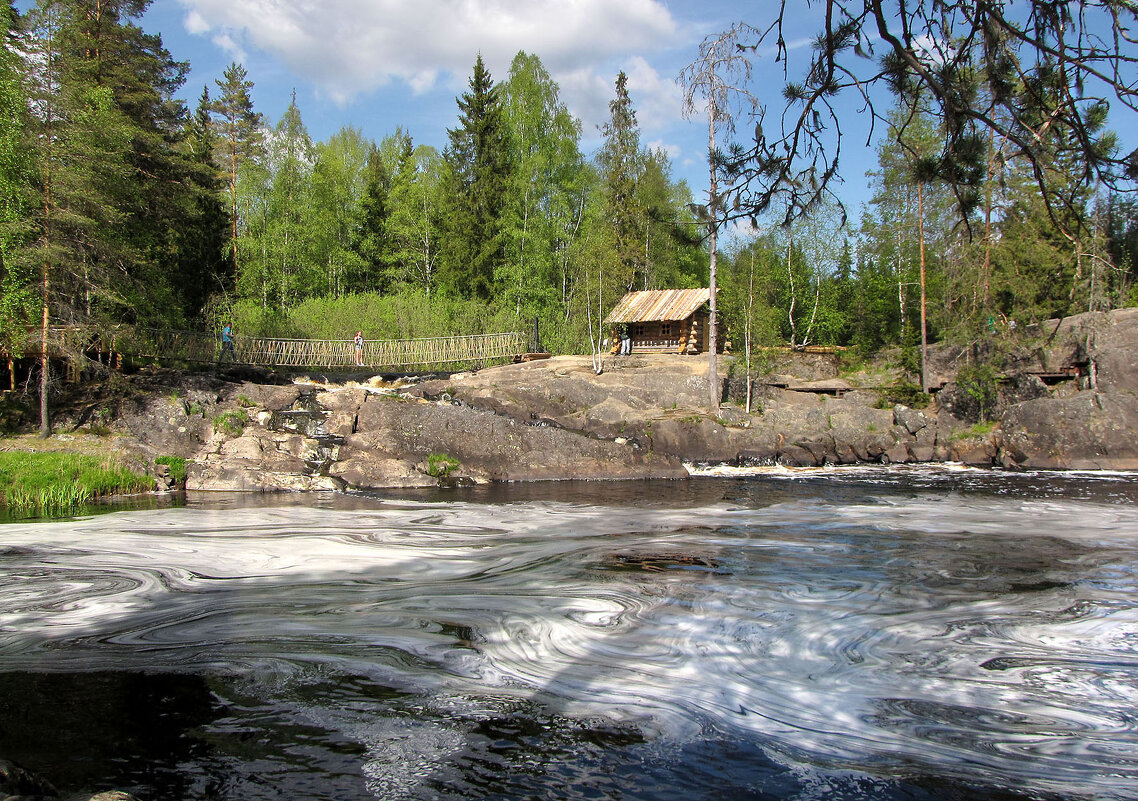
(658, 304)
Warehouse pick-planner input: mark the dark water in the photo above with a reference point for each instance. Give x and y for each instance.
(863, 634)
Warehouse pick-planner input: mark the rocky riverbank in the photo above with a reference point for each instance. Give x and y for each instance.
(1066, 397)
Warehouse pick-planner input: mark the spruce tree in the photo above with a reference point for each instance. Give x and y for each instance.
(371, 239)
(203, 267)
(479, 187)
(622, 164)
(17, 283)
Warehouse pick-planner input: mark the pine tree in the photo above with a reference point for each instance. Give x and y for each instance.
(112, 53)
(83, 164)
(239, 139)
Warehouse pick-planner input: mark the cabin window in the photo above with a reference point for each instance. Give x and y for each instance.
(639, 330)
(666, 330)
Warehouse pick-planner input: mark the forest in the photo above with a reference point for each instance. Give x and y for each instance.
(122, 203)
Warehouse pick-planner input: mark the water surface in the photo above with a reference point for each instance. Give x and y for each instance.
(868, 633)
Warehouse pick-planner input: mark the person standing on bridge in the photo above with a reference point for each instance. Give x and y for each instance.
(227, 343)
(359, 340)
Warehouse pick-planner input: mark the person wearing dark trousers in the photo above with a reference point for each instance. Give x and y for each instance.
(227, 344)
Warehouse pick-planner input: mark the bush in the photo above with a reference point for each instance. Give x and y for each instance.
(441, 465)
(904, 393)
(406, 314)
(979, 382)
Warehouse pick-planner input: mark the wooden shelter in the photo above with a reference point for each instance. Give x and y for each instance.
(663, 320)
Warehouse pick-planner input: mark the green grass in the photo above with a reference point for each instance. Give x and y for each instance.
(177, 467)
(231, 422)
(59, 483)
(981, 429)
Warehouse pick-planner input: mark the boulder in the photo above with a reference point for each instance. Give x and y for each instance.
(20, 783)
(363, 467)
(909, 419)
(491, 447)
(1091, 430)
(271, 398)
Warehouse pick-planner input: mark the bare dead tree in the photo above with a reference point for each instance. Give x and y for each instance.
(717, 78)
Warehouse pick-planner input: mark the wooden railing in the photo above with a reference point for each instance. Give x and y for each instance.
(191, 346)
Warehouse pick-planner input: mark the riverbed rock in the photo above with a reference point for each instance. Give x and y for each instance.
(364, 467)
(17, 782)
(1092, 430)
(911, 420)
(492, 447)
(1067, 397)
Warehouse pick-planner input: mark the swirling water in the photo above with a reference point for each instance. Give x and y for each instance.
(857, 634)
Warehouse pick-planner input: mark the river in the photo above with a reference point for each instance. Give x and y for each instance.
(862, 633)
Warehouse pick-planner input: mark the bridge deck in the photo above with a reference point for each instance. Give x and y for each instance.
(190, 346)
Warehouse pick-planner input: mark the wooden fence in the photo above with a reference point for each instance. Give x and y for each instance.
(191, 346)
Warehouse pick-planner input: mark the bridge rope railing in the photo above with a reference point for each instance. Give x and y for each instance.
(195, 346)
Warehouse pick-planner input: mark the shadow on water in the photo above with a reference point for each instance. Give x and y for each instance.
(203, 732)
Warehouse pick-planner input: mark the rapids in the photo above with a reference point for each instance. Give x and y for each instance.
(793, 634)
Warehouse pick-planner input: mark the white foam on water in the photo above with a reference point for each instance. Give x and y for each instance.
(798, 636)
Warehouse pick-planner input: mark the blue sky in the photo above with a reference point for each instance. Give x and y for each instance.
(379, 64)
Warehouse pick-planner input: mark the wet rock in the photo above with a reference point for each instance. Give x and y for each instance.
(1088, 431)
(974, 451)
(796, 456)
(896, 454)
(22, 784)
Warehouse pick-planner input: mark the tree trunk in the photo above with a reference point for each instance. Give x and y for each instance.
(712, 318)
(747, 332)
(45, 360)
(924, 322)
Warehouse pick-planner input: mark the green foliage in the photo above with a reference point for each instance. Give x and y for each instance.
(980, 383)
(177, 467)
(904, 393)
(59, 483)
(977, 430)
(441, 465)
(231, 422)
(142, 213)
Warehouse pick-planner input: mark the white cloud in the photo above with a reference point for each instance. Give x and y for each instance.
(196, 24)
(674, 151)
(350, 47)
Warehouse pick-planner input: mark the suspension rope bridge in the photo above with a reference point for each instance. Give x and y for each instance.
(475, 350)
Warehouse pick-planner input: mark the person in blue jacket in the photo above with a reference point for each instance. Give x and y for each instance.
(227, 343)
